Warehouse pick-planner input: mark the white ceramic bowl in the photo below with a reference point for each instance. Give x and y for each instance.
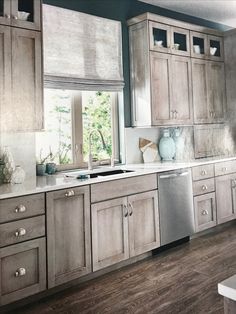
(213, 51)
(158, 43)
(196, 49)
(23, 15)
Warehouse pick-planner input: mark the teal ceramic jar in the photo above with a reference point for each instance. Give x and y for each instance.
(167, 146)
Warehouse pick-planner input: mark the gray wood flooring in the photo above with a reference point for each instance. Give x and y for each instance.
(181, 280)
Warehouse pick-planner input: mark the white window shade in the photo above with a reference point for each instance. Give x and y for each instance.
(81, 50)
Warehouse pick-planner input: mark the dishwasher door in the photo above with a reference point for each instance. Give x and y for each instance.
(175, 205)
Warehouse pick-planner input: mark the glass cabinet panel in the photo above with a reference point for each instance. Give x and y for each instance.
(180, 41)
(26, 14)
(215, 47)
(198, 45)
(159, 37)
(26, 10)
(5, 12)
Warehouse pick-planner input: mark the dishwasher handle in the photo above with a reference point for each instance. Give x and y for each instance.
(173, 175)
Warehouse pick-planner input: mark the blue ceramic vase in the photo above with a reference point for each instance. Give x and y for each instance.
(167, 146)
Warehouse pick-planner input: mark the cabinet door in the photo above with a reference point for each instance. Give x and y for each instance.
(205, 211)
(181, 104)
(180, 41)
(143, 223)
(109, 232)
(160, 37)
(225, 198)
(5, 12)
(26, 109)
(22, 270)
(32, 20)
(68, 235)
(160, 87)
(5, 77)
(200, 91)
(198, 43)
(215, 48)
(216, 91)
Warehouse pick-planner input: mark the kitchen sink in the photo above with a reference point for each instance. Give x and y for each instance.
(109, 173)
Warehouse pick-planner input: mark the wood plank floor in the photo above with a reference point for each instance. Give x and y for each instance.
(180, 280)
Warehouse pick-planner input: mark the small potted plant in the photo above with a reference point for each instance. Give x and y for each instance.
(41, 164)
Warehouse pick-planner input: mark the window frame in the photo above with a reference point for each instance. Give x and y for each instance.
(77, 129)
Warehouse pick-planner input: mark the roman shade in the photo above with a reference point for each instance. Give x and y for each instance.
(81, 51)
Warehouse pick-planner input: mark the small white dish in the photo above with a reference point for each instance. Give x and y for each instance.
(158, 43)
(176, 46)
(213, 51)
(23, 16)
(196, 49)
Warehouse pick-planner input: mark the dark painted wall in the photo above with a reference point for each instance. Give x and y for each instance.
(122, 10)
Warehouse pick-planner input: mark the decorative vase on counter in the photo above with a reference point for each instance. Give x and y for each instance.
(166, 146)
(40, 169)
(9, 165)
(18, 175)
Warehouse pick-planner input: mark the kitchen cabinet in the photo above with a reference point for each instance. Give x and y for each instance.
(208, 85)
(22, 270)
(226, 197)
(207, 47)
(14, 13)
(205, 211)
(68, 235)
(22, 107)
(171, 97)
(124, 227)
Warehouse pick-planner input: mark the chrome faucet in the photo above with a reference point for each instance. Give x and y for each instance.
(90, 157)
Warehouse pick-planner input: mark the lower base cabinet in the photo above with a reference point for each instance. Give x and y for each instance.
(205, 211)
(22, 270)
(68, 235)
(226, 198)
(124, 227)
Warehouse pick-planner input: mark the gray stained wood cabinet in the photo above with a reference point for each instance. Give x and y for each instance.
(9, 13)
(22, 107)
(124, 227)
(68, 235)
(226, 197)
(208, 85)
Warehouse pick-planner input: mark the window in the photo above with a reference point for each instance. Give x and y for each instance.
(70, 116)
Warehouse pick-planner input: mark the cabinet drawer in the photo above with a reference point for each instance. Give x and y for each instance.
(203, 186)
(22, 270)
(21, 207)
(205, 211)
(203, 172)
(22, 230)
(118, 188)
(226, 167)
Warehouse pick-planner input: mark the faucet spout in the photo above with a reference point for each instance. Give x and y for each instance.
(90, 157)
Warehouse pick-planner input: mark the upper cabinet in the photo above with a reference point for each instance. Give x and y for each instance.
(21, 13)
(177, 72)
(205, 46)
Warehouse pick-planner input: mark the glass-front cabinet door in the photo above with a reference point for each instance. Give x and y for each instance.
(180, 41)
(199, 47)
(26, 13)
(5, 12)
(215, 48)
(159, 37)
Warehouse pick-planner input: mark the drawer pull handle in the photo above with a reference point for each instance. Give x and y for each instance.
(204, 212)
(20, 209)
(204, 187)
(224, 169)
(20, 272)
(69, 193)
(203, 173)
(20, 232)
(131, 209)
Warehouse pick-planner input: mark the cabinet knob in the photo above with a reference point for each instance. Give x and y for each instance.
(204, 212)
(203, 173)
(20, 232)
(204, 187)
(7, 16)
(70, 193)
(15, 17)
(20, 209)
(20, 272)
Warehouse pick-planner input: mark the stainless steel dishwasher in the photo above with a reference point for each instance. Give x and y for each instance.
(175, 205)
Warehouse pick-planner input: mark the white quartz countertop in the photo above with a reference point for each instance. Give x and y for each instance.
(227, 288)
(60, 181)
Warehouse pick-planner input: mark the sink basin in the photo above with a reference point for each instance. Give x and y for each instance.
(108, 173)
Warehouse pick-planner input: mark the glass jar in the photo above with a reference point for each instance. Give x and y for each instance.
(18, 175)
